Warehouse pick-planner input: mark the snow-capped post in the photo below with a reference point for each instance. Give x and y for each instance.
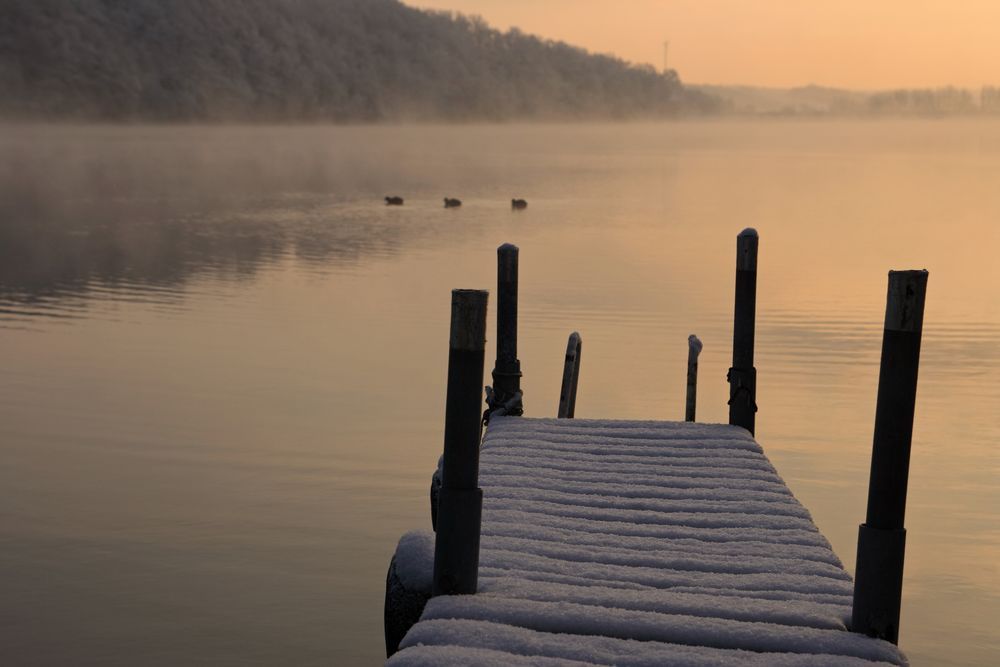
(743, 376)
(571, 377)
(694, 349)
(878, 580)
(507, 370)
(460, 501)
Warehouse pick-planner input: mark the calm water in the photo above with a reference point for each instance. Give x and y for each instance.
(224, 360)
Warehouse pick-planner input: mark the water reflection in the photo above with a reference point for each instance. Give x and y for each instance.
(233, 384)
(52, 266)
(90, 214)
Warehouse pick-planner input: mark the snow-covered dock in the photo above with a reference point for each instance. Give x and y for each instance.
(562, 542)
(637, 543)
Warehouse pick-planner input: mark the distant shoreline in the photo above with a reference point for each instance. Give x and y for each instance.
(812, 100)
(761, 117)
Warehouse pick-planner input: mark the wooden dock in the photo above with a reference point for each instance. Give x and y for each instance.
(641, 543)
(565, 542)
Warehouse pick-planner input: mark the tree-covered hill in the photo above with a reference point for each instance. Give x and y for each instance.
(304, 60)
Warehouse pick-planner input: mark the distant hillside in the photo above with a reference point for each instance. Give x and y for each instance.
(304, 60)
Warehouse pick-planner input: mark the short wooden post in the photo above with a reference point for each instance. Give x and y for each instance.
(460, 502)
(507, 370)
(694, 349)
(878, 580)
(743, 376)
(571, 377)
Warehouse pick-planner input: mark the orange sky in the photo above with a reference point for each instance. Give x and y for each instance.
(847, 43)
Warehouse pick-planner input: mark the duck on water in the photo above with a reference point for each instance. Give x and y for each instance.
(449, 202)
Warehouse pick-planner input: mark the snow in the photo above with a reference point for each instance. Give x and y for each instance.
(447, 642)
(664, 559)
(571, 618)
(638, 543)
(415, 560)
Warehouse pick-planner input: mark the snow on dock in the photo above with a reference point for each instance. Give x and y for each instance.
(637, 544)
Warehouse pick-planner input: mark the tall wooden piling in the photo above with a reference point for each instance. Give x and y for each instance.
(456, 548)
(690, 405)
(507, 370)
(571, 377)
(878, 582)
(743, 376)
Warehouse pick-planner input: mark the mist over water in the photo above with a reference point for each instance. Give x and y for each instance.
(224, 358)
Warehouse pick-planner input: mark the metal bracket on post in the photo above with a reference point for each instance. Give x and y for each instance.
(512, 408)
(878, 582)
(742, 387)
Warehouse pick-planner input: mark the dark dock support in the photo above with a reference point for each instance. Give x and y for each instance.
(460, 503)
(506, 392)
(571, 377)
(691, 403)
(878, 582)
(743, 376)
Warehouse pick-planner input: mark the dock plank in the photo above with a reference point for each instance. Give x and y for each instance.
(642, 543)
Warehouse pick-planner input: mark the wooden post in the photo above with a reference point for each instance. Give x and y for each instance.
(878, 580)
(460, 502)
(507, 370)
(571, 377)
(694, 349)
(743, 376)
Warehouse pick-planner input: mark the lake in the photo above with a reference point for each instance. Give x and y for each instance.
(224, 359)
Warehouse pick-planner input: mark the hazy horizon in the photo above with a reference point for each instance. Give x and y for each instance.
(848, 44)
